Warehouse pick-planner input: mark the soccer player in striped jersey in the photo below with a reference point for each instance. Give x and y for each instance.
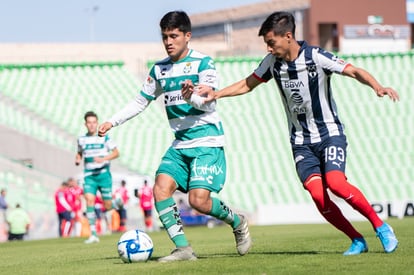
(302, 74)
(97, 152)
(195, 163)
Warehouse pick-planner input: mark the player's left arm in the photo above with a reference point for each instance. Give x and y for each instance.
(112, 155)
(366, 78)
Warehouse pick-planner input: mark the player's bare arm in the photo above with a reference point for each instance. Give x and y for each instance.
(238, 88)
(78, 159)
(366, 78)
(104, 128)
(113, 155)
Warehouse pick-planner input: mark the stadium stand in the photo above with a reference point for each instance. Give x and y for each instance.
(260, 167)
(33, 190)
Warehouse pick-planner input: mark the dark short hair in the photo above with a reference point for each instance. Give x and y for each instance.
(90, 114)
(176, 20)
(279, 22)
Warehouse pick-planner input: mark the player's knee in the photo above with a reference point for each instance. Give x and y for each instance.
(336, 181)
(200, 201)
(108, 205)
(163, 190)
(313, 182)
(315, 187)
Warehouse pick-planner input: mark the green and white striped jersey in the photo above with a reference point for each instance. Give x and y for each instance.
(193, 125)
(95, 146)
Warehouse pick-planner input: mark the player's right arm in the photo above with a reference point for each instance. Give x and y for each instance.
(78, 157)
(129, 111)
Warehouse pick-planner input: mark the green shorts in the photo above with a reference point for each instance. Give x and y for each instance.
(101, 182)
(200, 167)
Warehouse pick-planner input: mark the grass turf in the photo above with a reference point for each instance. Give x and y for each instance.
(278, 249)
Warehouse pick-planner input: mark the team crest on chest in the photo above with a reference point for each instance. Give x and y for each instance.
(187, 68)
(311, 68)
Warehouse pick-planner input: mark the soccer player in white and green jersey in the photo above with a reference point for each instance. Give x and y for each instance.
(97, 152)
(195, 163)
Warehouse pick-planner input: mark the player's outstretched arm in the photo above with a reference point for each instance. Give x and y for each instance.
(366, 78)
(238, 88)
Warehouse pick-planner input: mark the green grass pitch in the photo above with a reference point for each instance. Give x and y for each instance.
(277, 249)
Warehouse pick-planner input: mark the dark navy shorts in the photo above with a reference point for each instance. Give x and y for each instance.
(320, 158)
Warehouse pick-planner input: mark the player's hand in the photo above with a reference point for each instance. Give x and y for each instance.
(388, 91)
(98, 159)
(207, 92)
(187, 89)
(77, 160)
(104, 128)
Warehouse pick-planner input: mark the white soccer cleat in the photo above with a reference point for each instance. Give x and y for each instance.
(92, 239)
(179, 254)
(242, 236)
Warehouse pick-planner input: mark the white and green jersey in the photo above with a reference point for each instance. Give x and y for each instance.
(95, 146)
(194, 124)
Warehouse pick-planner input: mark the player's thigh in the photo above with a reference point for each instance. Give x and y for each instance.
(91, 185)
(105, 186)
(334, 154)
(208, 169)
(176, 165)
(306, 161)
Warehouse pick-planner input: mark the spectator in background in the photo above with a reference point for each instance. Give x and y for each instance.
(63, 202)
(77, 193)
(146, 202)
(103, 223)
(121, 201)
(19, 223)
(3, 204)
(3, 209)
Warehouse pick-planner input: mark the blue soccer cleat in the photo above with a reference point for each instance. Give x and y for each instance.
(357, 247)
(387, 237)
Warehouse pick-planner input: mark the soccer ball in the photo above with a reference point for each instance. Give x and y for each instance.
(135, 246)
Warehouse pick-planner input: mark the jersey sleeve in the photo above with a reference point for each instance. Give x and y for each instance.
(263, 71)
(330, 62)
(207, 74)
(151, 89)
(110, 143)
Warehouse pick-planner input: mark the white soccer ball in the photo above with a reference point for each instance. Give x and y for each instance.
(135, 246)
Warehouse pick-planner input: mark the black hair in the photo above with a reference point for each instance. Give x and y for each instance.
(279, 22)
(176, 20)
(90, 114)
